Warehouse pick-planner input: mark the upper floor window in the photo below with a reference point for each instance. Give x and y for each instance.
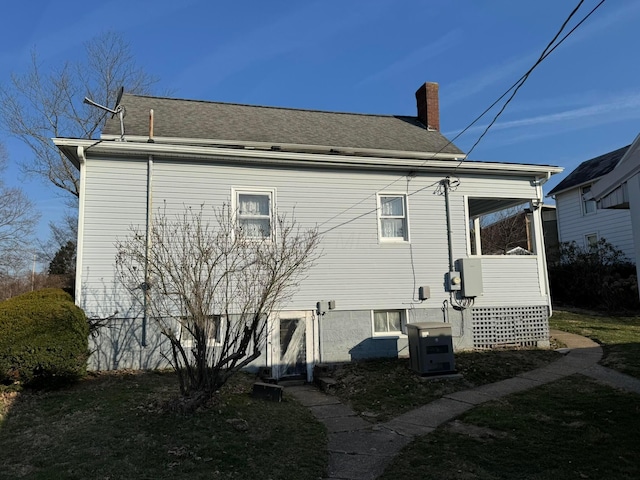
(392, 215)
(254, 213)
(588, 206)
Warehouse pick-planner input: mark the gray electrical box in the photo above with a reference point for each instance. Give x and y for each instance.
(431, 348)
(471, 274)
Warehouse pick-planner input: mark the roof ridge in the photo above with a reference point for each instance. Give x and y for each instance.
(270, 107)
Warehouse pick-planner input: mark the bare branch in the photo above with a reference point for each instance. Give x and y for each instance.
(40, 104)
(213, 290)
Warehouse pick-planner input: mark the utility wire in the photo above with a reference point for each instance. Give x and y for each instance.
(515, 87)
(518, 84)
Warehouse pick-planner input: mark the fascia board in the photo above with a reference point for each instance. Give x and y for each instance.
(265, 157)
(291, 147)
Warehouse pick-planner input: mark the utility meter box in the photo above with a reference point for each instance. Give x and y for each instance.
(471, 273)
(431, 348)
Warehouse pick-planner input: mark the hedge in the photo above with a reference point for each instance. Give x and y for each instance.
(43, 339)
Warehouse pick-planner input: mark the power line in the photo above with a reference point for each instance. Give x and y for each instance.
(515, 87)
(518, 84)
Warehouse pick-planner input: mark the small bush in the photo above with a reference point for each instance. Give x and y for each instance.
(43, 339)
(598, 278)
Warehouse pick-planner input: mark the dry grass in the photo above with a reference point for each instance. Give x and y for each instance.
(116, 426)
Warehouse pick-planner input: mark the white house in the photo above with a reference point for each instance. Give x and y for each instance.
(579, 219)
(620, 189)
(334, 169)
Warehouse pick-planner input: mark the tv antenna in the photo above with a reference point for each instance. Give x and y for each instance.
(117, 110)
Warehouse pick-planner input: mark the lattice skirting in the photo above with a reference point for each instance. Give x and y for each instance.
(503, 326)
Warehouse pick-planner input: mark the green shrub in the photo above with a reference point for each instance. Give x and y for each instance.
(598, 278)
(43, 339)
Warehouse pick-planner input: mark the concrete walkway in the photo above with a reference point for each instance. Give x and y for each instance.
(360, 450)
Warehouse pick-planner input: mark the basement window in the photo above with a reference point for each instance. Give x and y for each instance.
(500, 226)
(388, 322)
(210, 327)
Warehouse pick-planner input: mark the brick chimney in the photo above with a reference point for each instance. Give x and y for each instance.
(428, 106)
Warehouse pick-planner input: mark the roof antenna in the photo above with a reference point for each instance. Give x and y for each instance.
(117, 110)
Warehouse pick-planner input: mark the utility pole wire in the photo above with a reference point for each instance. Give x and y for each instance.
(516, 85)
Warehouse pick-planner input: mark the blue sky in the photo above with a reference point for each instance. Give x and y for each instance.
(366, 56)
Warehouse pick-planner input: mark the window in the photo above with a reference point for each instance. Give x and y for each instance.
(254, 210)
(591, 241)
(588, 206)
(386, 322)
(211, 328)
(392, 214)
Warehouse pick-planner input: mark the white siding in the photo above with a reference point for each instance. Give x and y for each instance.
(115, 198)
(355, 270)
(509, 280)
(573, 225)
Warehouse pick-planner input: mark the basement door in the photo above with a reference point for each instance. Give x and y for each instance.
(293, 346)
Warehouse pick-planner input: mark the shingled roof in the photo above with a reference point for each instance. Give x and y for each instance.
(213, 121)
(590, 170)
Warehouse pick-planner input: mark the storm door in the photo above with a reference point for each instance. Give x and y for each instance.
(293, 352)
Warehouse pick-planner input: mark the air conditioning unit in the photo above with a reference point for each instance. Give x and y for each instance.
(431, 348)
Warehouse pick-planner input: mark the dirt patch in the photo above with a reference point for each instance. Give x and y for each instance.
(481, 434)
(7, 399)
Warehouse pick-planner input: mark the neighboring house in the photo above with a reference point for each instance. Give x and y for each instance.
(620, 189)
(579, 220)
(334, 170)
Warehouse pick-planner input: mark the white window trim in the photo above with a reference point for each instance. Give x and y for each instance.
(236, 191)
(402, 333)
(586, 239)
(583, 202)
(405, 197)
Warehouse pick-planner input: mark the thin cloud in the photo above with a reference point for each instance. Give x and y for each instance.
(454, 92)
(417, 57)
(617, 108)
(514, 67)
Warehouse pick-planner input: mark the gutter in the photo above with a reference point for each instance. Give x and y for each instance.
(264, 157)
(293, 147)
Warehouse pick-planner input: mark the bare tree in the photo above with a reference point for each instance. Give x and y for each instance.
(211, 288)
(42, 104)
(18, 219)
(505, 230)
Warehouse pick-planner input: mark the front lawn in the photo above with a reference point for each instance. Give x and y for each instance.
(619, 337)
(113, 426)
(382, 389)
(571, 428)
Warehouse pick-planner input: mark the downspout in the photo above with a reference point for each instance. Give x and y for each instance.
(147, 286)
(446, 184)
(82, 158)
